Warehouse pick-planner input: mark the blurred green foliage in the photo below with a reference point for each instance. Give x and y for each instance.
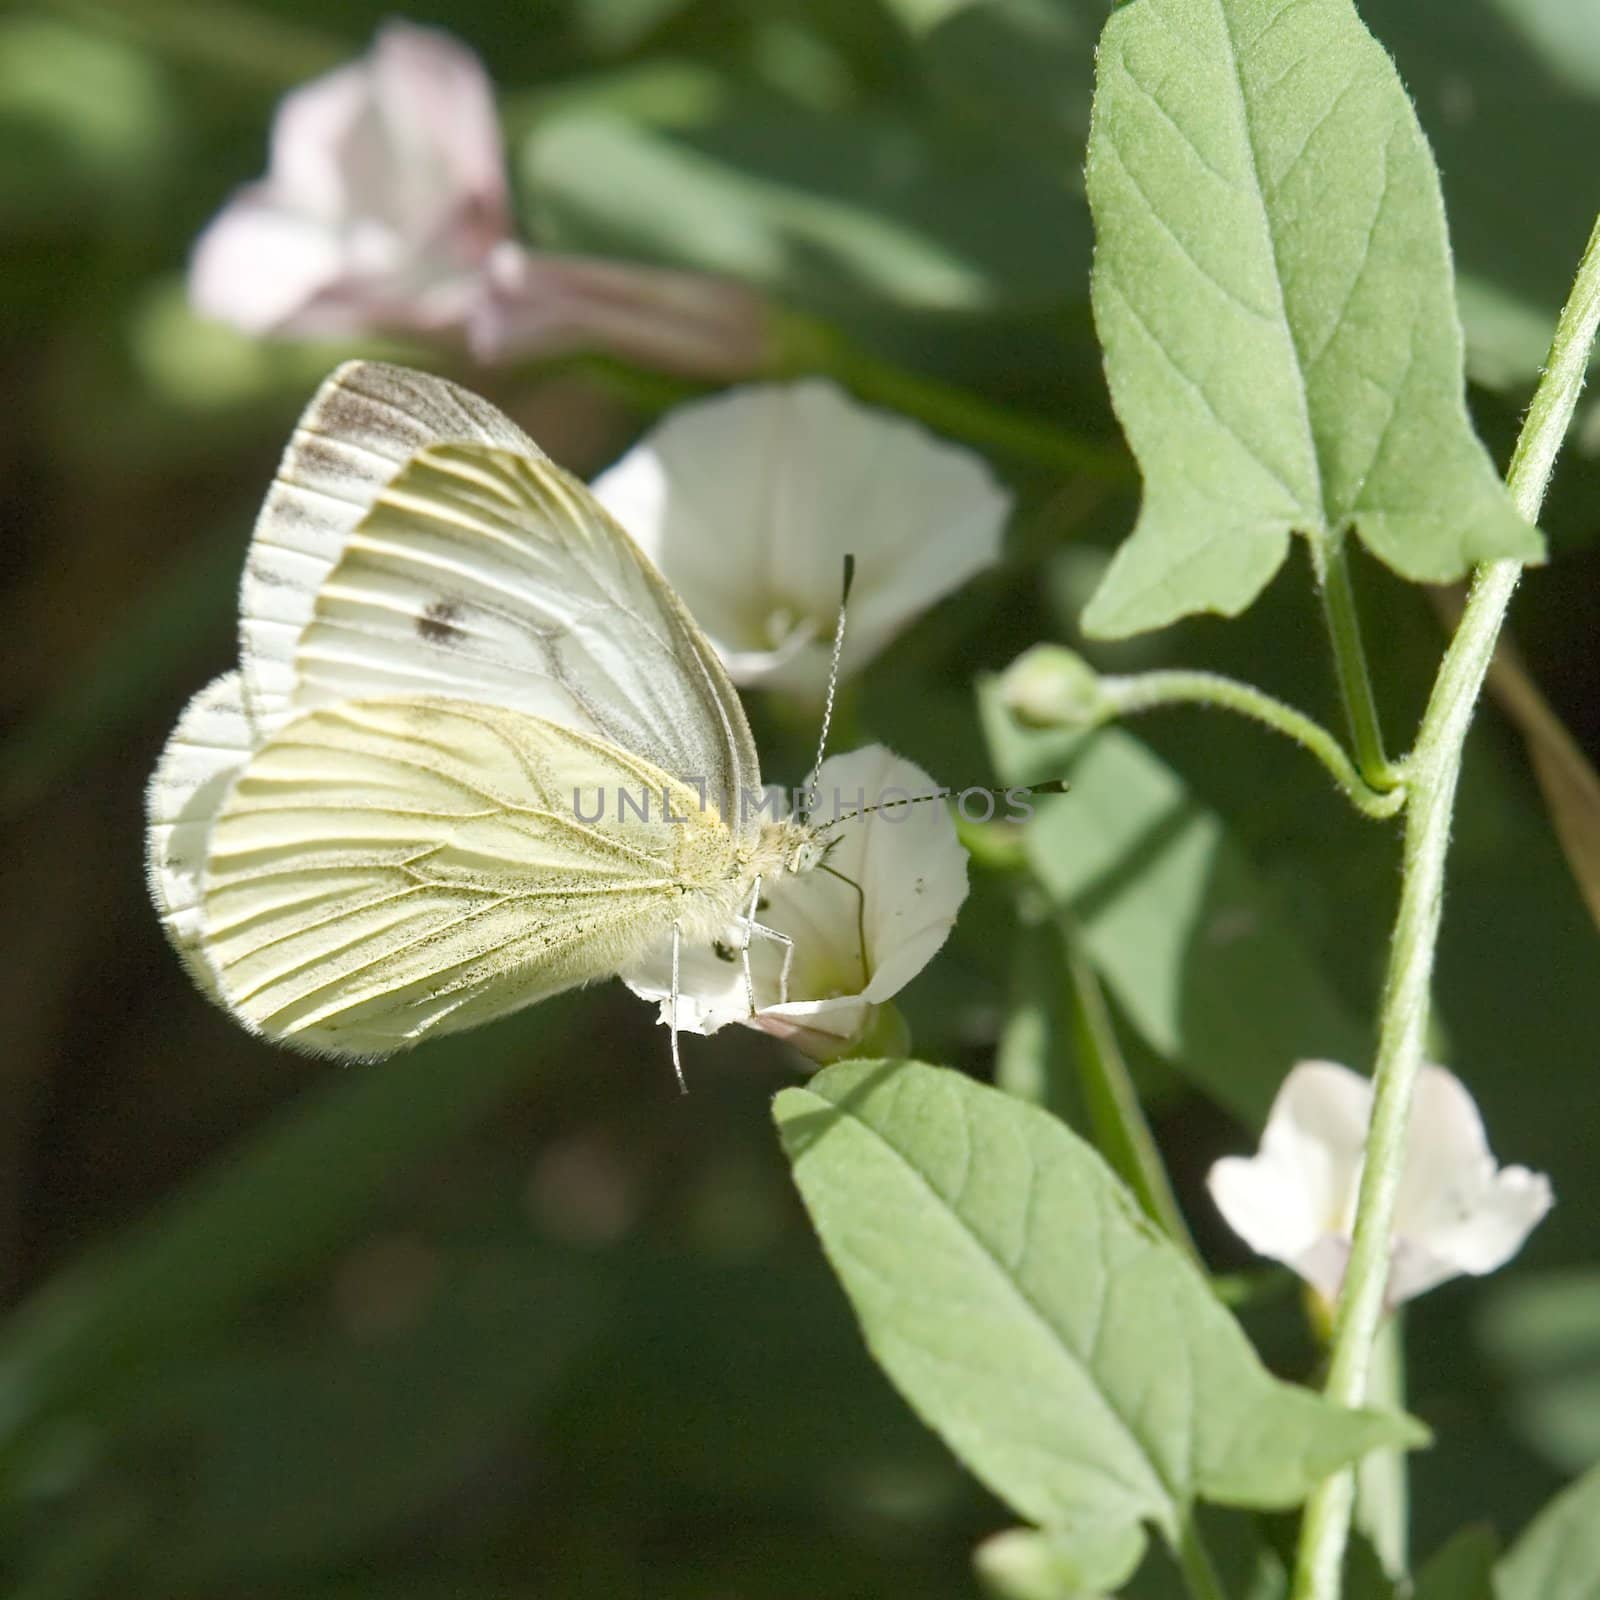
(509, 1317)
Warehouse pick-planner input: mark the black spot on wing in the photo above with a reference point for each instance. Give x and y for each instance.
(438, 622)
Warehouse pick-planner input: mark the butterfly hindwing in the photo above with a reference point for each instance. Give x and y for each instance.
(211, 742)
(386, 868)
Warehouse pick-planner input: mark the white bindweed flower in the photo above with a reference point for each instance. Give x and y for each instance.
(1457, 1212)
(386, 210)
(385, 196)
(749, 502)
(856, 943)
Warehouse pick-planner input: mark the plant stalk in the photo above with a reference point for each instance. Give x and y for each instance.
(1200, 1575)
(1350, 665)
(1432, 774)
(1121, 1132)
(1148, 691)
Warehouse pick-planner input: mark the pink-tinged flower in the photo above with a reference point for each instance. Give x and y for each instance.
(544, 306)
(749, 501)
(386, 210)
(1457, 1211)
(863, 925)
(385, 196)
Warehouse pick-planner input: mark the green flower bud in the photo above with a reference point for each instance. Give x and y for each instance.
(1052, 687)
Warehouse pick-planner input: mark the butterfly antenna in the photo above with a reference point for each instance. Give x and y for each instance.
(833, 678)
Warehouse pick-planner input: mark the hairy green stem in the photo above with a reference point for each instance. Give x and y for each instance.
(1150, 690)
(1350, 665)
(1432, 774)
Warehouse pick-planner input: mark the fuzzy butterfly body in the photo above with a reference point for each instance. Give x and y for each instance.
(372, 832)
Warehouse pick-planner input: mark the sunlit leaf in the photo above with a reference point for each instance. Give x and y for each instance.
(1060, 1345)
(1273, 289)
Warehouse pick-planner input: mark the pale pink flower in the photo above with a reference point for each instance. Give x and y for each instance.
(385, 196)
(542, 305)
(385, 209)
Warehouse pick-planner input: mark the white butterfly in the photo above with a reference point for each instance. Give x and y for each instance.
(374, 831)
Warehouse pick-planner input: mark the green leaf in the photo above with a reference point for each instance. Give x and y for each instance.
(1028, 1311)
(1460, 1569)
(1032, 1055)
(1558, 1554)
(1212, 973)
(1272, 287)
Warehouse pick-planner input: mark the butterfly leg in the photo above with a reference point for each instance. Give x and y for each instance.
(788, 956)
(750, 926)
(677, 1062)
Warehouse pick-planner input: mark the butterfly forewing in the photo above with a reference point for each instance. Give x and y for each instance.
(361, 428)
(496, 575)
(389, 867)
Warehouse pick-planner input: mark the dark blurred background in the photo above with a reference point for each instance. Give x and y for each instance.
(508, 1316)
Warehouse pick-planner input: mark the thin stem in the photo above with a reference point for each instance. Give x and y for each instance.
(1150, 690)
(1350, 665)
(1121, 1132)
(1432, 774)
(1382, 1508)
(1200, 1575)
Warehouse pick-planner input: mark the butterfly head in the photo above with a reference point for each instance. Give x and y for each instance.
(788, 846)
(807, 851)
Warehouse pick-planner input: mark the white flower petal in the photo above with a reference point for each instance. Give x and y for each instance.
(749, 502)
(312, 129)
(1503, 1214)
(1448, 1164)
(438, 110)
(260, 267)
(1317, 1130)
(851, 951)
(1265, 1203)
